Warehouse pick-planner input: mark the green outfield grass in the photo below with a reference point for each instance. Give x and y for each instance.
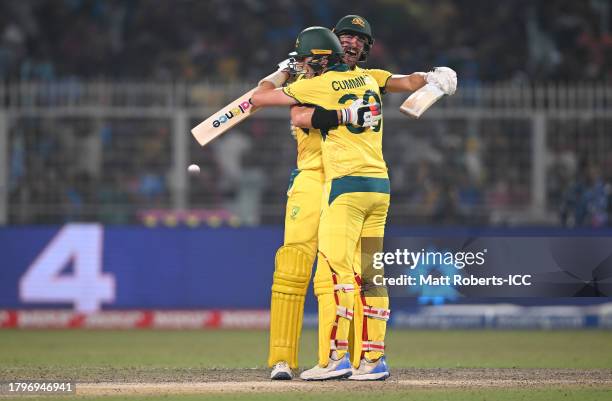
(151, 356)
(245, 349)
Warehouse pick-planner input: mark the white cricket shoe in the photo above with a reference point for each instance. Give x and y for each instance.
(281, 371)
(335, 369)
(377, 370)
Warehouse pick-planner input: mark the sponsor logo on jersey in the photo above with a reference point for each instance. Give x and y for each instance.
(243, 107)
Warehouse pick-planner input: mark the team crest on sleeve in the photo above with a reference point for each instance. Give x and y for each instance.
(358, 21)
(294, 212)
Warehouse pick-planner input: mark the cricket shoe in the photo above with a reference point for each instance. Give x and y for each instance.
(377, 370)
(335, 369)
(281, 371)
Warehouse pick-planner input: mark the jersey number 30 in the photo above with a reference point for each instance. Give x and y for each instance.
(366, 98)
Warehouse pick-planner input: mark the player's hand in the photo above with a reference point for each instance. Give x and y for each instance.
(361, 114)
(444, 78)
(289, 66)
(280, 76)
(284, 65)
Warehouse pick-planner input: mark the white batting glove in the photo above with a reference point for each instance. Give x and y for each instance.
(361, 114)
(278, 77)
(284, 65)
(444, 78)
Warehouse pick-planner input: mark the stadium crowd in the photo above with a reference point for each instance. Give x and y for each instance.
(443, 172)
(531, 40)
(106, 170)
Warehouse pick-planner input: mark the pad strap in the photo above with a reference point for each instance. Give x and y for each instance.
(376, 313)
(341, 345)
(373, 346)
(344, 312)
(344, 287)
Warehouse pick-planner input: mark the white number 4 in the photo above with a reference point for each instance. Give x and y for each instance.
(87, 287)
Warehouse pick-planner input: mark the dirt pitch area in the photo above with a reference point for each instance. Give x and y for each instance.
(211, 381)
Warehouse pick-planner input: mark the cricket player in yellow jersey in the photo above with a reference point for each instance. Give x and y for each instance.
(355, 35)
(294, 260)
(356, 190)
(355, 204)
(366, 342)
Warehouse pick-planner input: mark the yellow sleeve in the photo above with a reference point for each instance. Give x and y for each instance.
(381, 77)
(306, 91)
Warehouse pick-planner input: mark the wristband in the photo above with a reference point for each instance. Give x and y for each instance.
(324, 119)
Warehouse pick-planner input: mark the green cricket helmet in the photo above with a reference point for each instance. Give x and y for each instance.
(358, 26)
(317, 41)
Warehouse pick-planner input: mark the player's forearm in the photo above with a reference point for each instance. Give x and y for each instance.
(301, 116)
(406, 83)
(267, 95)
(359, 113)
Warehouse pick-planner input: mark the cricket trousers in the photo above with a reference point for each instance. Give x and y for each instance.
(354, 209)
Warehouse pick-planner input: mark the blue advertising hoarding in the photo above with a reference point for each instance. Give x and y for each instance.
(89, 267)
(136, 267)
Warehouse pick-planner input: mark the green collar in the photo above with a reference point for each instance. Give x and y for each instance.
(341, 67)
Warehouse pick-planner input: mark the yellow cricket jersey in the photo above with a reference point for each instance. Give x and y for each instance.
(309, 140)
(381, 76)
(346, 150)
(308, 147)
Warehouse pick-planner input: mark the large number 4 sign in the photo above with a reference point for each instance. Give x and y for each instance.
(79, 245)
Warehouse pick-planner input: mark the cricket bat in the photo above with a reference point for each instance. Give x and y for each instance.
(226, 118)
(417, 103)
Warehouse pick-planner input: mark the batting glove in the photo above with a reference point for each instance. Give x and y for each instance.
(280, 76)
(361, 114)
(284, 65)
(444, 78)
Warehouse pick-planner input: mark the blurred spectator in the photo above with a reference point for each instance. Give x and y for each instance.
(115, 205)
(452, 170)
(206, 40)
(240, 176)
(587, 200)
(229, 153)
